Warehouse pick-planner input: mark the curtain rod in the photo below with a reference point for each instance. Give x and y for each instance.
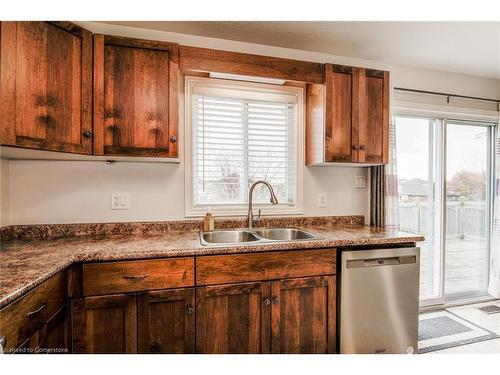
(447, 95)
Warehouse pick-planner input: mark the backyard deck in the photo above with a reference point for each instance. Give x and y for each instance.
(466, 266)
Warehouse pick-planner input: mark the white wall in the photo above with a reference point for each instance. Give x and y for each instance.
(67, 192)
(4, 192)
(79, 191)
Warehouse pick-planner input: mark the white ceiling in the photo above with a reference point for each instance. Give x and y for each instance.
(461, 47)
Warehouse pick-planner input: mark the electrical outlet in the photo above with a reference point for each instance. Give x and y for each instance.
(322, 200)
(119, 201)
(359, 182)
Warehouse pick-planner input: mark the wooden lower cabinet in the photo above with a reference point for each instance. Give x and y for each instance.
(105, 324)
(233, 318)
(291, 309)
(27, 325)
(283, 316)
(30, 345)
(166, 321)
(303, 315)
(48, 339)
(150, 322)
(54, 339)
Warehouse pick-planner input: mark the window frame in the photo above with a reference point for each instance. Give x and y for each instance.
(191, 83)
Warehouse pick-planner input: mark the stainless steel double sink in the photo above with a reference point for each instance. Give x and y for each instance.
(257, 235)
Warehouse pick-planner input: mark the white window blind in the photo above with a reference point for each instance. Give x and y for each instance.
(239, 139)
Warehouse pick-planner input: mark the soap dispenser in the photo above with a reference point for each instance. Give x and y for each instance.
(208, 222)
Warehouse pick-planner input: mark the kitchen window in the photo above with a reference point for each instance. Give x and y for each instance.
(238, 133)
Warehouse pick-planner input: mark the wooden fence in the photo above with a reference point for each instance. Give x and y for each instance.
(463, 218)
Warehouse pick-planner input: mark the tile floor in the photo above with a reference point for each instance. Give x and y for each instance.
(490, 322)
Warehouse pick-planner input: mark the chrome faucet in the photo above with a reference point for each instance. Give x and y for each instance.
(273, 200)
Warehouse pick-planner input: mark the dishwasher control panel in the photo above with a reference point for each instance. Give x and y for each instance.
(376, 262)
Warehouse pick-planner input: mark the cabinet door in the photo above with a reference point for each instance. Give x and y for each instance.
(105, 324)
(166, 321)
(135, 97)
(373, 132)
(233, 318)
(339, 110)
(46, 86)
(303, 315)
(30, 345)
(54, 334)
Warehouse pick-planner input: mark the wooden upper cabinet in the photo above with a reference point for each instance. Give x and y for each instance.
(46, 86)
(303, 315)
(233, 318)
(340, 83)
(373, 135)
(135, 97)
(347, 118)
(165, 321)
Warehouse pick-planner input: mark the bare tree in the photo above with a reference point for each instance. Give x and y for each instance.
(229, 182)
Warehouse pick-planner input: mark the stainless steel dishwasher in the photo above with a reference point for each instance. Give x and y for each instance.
(379, 300)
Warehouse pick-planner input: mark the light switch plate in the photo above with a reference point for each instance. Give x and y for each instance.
(119, 201)
(359, 182)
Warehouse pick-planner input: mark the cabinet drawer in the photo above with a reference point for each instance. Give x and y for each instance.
(20, 319)
(220, 269)
(135, 276)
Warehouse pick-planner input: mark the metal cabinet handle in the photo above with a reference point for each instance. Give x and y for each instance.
(276, 300)
(136, 277)
(355, 146)
(87, 134)
(267, 302)
(31, 313)
(190, 310)
(362, 147)
(173, 139)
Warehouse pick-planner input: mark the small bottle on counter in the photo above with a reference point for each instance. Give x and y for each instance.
(208, 222)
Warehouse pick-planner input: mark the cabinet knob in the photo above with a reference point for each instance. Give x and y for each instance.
(173, 139)
(267, 302)
(87, 134)
(276, 300)
(355, 146)
(362, 147)
(190, 310)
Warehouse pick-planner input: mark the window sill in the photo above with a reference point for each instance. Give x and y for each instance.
(228, 212)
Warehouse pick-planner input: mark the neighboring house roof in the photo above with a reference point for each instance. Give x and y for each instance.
(415, 187)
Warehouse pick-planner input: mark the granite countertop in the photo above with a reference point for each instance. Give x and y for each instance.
(27, 263)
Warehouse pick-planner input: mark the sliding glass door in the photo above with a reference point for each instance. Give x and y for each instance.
(416, 159)
(444, 186)
(467, 209)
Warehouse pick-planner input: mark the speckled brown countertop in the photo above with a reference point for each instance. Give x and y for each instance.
(27, 263)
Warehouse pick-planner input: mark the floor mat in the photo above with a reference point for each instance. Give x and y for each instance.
(490, 309)
(442, 329)
(438, 327)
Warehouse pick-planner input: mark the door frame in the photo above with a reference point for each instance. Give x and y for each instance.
(442, 118)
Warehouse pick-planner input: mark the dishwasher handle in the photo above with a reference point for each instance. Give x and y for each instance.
(381, 262)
